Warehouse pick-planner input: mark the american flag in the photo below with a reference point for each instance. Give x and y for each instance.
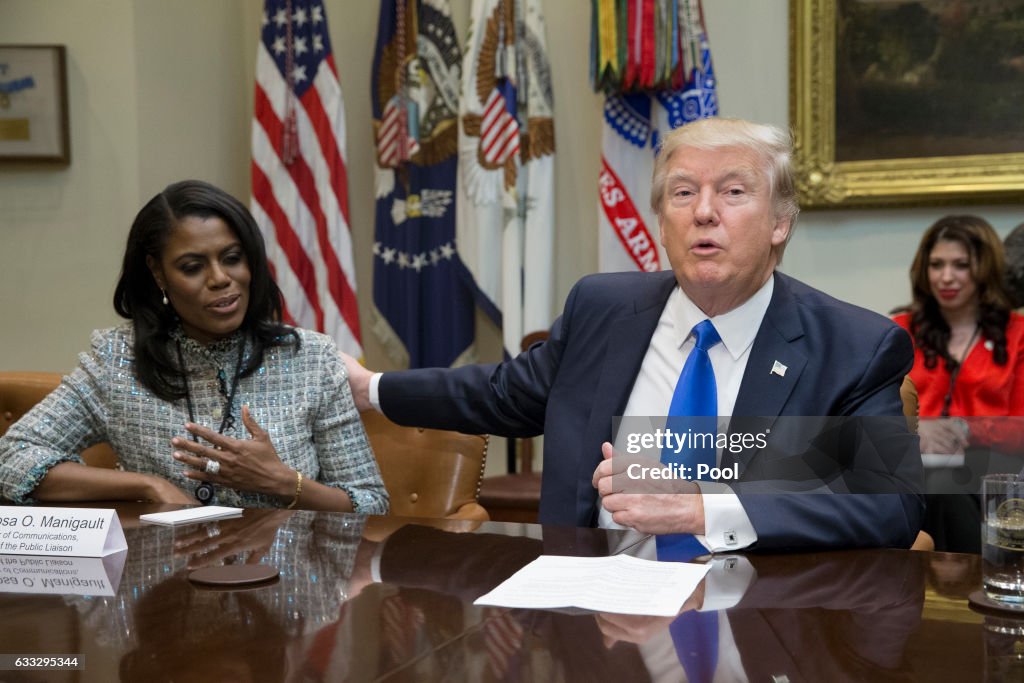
(299, 179)
(389, 141)
(499, 129)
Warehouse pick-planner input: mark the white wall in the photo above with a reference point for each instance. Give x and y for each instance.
(56, 225)
(161, 90)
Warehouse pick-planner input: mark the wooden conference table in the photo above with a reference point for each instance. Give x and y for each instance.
(391, 599)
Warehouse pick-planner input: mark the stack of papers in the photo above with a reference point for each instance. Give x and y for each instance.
(619, 584)
(191, 515)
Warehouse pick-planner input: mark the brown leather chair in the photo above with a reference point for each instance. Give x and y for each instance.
(908, 394)
(428, 472)
(19, 391)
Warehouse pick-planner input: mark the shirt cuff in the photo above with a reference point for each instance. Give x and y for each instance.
(726, 524)
(375, 563)
(727, 582)
(375, 391)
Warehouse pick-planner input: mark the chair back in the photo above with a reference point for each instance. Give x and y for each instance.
(428, 472)
(19, 391)
(908, 394)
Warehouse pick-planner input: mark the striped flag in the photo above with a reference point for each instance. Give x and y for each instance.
(505, 218)
(390, 147)
(499, 130)
(299, 179)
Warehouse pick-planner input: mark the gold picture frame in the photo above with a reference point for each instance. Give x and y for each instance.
(826, 180)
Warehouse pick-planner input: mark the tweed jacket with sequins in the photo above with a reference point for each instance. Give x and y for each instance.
(301, 396)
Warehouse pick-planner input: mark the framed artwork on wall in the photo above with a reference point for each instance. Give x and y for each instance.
(907, 102)
(34, 104)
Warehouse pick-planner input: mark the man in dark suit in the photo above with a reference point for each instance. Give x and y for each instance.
(725, 199)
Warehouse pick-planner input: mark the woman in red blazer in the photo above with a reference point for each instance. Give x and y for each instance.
(968, 343)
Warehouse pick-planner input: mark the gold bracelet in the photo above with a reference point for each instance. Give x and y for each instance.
(298, 490)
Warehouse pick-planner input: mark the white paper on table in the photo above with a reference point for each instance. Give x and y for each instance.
(191, 515)
(620, 584)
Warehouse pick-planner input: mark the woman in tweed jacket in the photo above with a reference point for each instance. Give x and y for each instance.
(204, 394)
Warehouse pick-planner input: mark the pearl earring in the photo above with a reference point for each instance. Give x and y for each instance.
(165, 301)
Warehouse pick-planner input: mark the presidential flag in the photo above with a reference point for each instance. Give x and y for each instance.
(506, 211)
(299, 184)
(423, 308)
(635, 123)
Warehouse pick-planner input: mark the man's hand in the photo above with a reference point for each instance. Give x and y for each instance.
(651, 506)
(630, 628)
(359, 381)
(639, 628)
(941, 435)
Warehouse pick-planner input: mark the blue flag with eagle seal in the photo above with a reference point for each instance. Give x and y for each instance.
(423, 310)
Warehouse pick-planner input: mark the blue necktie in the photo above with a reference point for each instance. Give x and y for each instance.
(694, 634)
(693, 411)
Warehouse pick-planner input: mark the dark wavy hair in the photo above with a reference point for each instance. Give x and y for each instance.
(928, 326)
(1013, 248)
(139, 299)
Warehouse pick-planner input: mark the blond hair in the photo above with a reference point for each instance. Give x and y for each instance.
(772, 145)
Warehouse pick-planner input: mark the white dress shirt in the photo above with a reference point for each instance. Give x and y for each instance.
(726, 524)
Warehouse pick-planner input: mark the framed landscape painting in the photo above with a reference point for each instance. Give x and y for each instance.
(904, 102)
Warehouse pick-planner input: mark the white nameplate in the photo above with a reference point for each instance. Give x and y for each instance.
(191, 515)
(61, 575)
(68, 532)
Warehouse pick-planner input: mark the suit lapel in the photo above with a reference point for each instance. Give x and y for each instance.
(774, 366)
(619, 368)
(766, 386)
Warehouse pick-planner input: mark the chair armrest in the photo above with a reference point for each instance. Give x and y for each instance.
(473, 511)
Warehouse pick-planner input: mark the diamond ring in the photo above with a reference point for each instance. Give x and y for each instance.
(212, 467)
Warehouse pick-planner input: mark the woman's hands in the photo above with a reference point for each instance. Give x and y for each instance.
(245, 464)
(159, 490)
(219, 542)
(72, 481)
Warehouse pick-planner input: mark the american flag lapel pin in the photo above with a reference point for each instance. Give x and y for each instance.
(779, 369)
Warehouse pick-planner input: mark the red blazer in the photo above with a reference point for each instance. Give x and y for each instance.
(982, 388)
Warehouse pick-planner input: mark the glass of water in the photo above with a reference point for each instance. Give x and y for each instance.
(1002, 536)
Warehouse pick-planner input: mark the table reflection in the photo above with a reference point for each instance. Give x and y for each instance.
(160, 622)
(823, 616)
(391, 599)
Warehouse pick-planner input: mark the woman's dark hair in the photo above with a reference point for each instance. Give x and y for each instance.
(138, 298)
(928, 326)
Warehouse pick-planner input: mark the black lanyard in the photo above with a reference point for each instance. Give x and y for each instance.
(955, 373)
(204, 491)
